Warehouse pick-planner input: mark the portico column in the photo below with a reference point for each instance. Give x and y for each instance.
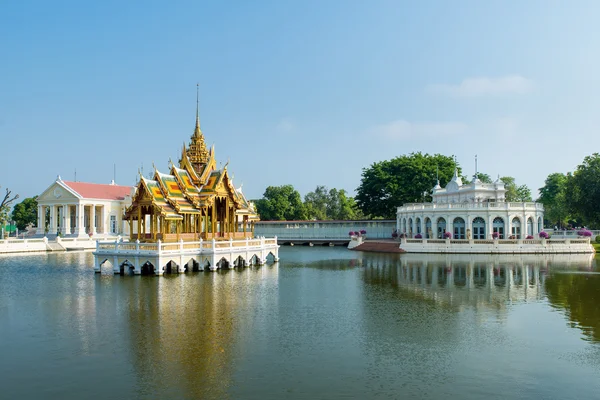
(490, 227)
(53, 217)
(104, 224)
(67, 219)
(93, 219)
(40, 223)
(79, 224)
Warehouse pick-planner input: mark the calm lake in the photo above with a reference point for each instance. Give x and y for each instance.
(323, 323)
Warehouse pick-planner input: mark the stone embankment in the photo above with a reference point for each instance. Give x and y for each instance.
(380, 246)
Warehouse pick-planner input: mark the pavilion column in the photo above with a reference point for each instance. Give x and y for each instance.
(507, 228)
(67, 219)
(103, 214)
(93, 219)
(53, 217)
(79, 222)
(40, 222)
(449, 224)
(490, 227)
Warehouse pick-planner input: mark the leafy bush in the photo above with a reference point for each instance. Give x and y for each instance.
(351, 233)
(598, 239)
(584, 233)
(529, 237)
(363, 232)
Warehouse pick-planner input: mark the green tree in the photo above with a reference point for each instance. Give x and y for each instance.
(316, 203)
(515, 193)
(5, 206)
(583, 191)
(25, 212)
(553, 197)
(342, 207)
(484, 178)
(409, 178)
(281, 203)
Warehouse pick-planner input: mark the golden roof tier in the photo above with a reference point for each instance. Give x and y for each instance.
(195, 200)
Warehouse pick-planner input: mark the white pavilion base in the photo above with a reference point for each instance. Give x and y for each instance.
(490, 246)
(158, 258)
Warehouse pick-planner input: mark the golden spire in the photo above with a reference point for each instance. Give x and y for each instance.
(197, 152)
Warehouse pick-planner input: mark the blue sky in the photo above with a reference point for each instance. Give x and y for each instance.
(295, 92)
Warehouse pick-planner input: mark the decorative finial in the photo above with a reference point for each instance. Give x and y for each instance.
(475, 164)
(198, 105)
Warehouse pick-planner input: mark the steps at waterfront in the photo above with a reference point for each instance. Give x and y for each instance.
(380, 246)
(54, 246)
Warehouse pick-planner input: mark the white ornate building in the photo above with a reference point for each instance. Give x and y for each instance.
(470, 211)
(81, 209)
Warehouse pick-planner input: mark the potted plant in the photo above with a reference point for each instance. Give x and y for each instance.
(584, 233)
(543, 235)
(495, 235)
(447, 235)
(418, 236)
(529, 237)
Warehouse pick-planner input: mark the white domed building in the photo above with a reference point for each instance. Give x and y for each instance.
(470, 211)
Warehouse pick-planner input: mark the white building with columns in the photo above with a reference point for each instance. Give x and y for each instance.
(470, 211)
(81, 209)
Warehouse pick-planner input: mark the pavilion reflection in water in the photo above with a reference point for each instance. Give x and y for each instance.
(188, 330)
(476, 280)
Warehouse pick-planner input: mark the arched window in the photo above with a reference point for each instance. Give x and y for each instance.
(498, 227)
(478, 228)
(530, 226)
(516, 228)
(428, 232)
(540, 225)
(441, 228)
(459, 228)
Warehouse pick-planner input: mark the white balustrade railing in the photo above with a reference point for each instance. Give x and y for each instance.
(458, 206)
(208, 246)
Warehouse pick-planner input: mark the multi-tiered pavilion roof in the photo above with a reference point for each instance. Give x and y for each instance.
(193, 200)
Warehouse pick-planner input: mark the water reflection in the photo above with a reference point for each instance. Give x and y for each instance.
(579, 295)
(185, 330)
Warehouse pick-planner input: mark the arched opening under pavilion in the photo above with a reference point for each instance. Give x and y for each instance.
(459, 228)
(478, 228)
(428, 232)
(498, 227)
(441, 227)
(515, 228)
(529, 226)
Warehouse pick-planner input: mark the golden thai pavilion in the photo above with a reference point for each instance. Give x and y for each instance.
(194, 201)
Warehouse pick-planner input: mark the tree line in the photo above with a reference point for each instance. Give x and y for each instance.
(569, 199)
(573, 199)
(284, 203)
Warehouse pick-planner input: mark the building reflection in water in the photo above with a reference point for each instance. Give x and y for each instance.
(474, 280)
(185, 331)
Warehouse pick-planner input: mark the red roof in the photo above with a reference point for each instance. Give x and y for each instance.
(99, 191)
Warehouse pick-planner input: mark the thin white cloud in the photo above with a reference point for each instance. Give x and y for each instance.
(401, 129)
(285, 125)
(485, 86)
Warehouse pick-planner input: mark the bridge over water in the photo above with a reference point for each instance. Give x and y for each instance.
(323, 232)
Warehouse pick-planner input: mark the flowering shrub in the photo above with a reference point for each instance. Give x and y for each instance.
(584, 233)
(394, 234)
(529, 237)
(544, 235)
(403, 235)
(363, 232)
(495, 235)
(351, 233)
(447, 235)
(418, 236)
